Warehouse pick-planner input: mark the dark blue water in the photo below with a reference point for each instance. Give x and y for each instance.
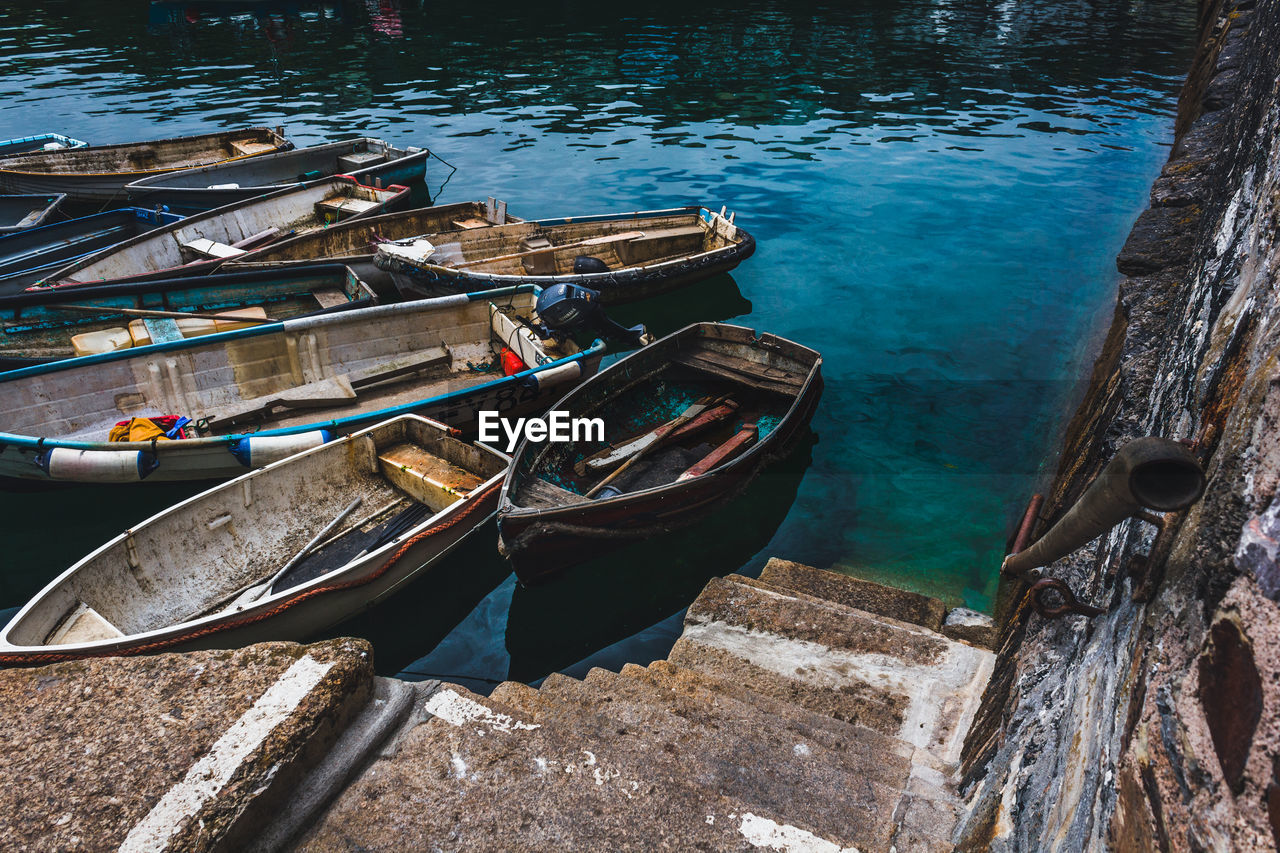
(938, 189)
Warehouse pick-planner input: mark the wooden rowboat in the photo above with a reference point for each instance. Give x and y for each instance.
(354, 243)
(100, 172)
(688, 422)
(53, 323)
(369, 161)
(625, 256)
(40, 142)
(30, 255)
(221, 569)
(21, 212)
(256, 395)
(199, 244)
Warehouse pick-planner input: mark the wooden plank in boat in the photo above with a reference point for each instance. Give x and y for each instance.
(333, 391)
(471, 222)
(740, 370)
(540, 493)
(426, 477)
(250, 147)
(341, 206)
(330, 297)
(409, 363)
(206, 248)
(83, 625)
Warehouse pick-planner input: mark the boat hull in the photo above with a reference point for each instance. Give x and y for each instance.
(160, 254)
(104, 180)
(195, 377)
(20, 213)
(30, 144)
(29, 256)
(274, 172)
(175, 550)
(617, 286)
(540, 542)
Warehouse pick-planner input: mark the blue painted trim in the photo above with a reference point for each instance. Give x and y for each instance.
(333, 426)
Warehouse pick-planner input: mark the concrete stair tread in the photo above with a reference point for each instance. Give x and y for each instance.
(724, 753)
(913, 628)
(485, 775)
(854, 592)
(904, 681)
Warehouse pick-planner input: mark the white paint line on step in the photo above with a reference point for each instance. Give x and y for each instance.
(762, 832)
(208, 775)
(457, 710)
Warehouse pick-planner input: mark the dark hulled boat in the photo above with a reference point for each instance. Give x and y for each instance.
(21, 212)
(688, 422)
(369, 161)
(30, 255)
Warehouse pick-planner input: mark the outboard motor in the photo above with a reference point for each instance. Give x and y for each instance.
(1148, 473)
(570, 308)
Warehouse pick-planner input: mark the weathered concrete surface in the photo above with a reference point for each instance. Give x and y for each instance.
(691, 756)
(179, 752)
(854, 592)
(1154, 726)
(970, 626)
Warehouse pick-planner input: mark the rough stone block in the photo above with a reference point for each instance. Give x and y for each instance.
(970, 626)
(175, 751)
(1161, 238)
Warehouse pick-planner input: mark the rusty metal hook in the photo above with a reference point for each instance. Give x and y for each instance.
(1070, 604)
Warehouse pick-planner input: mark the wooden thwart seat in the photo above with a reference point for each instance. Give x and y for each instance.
(211, 249)
(330, 297)
(425, 477)
(538, 493)
(343, 206)
(757, 375)
(83, 625)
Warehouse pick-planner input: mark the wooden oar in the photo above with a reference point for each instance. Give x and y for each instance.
(683, 418)
(177, 315)
(616, 454)
(732, 447)
(593, 241)
(255, 594)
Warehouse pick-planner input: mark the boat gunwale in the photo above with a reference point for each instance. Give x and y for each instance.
(282, 598)
(509, 509)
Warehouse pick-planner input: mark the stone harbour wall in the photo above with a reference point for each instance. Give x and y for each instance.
(1156, 725)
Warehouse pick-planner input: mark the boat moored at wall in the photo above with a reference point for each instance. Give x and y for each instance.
(200, 244)
(255, 395)
(277, 554)
(688, 423)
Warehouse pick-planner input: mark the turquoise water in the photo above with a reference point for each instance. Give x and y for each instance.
(938, 189)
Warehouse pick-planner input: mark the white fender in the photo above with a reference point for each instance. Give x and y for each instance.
(97, 466)
(558, 375)
(255, 451)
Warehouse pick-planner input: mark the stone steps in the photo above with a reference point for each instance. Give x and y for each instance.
(804, 710)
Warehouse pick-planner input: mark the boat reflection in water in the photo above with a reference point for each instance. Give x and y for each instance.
(595, 604)
(591, 606)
